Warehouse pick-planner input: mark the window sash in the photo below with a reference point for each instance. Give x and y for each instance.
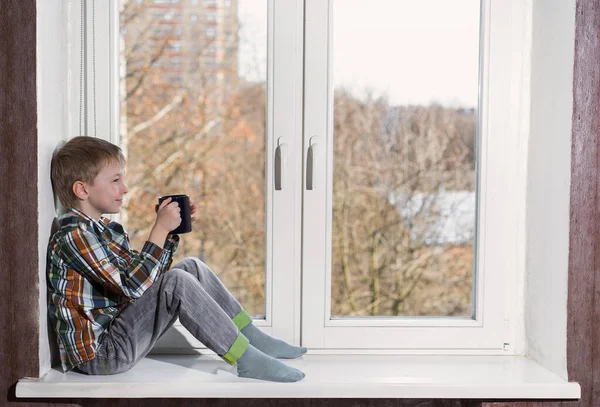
(284, 84)
(500, 208)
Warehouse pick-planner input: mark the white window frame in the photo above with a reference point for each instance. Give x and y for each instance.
(500, 210)
(499, 331)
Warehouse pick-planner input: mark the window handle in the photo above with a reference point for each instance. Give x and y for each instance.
(312, 164)
(280, 163)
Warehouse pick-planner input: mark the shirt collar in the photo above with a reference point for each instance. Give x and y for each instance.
(101, 225)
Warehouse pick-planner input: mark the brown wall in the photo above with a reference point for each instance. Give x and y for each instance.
(18, 192)
(583, 329)
(19, 234)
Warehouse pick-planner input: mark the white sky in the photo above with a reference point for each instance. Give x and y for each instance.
(413, 51)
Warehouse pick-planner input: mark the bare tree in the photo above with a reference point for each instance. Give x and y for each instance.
(386, 262)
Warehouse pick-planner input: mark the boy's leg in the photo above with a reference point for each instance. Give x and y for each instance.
(136, 329)
(215, 288)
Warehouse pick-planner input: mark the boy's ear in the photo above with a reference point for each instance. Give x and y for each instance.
(80, 190)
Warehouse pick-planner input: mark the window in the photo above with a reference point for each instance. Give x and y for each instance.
(193, 17)
(174, 46)
(389, 187)
(211, 15)
(210, 32)
(211, 49)
(167, 15)
(384, 204)
(160, 31)
(172, 16)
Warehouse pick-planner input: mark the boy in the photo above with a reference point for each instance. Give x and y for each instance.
(109, 304)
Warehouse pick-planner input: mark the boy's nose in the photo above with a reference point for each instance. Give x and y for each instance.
(125, 189)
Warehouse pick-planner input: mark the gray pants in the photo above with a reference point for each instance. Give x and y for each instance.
(190, 291)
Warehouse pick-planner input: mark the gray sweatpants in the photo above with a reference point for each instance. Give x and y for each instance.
(190, 291)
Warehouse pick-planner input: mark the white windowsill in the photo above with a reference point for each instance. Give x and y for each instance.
(327, 376)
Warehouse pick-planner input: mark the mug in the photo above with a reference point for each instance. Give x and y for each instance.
(186, 217)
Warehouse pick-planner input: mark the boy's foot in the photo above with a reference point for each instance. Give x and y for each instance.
(256, 365)
(271, 346)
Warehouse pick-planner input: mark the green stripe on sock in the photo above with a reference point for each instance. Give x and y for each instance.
(237, 349)
(241, 320)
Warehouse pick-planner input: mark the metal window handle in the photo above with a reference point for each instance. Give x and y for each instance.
(280, 163)
(312, 164)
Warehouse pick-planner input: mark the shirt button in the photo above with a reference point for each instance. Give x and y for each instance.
(103, 262)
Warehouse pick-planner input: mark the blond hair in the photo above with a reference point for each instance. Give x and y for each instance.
(80, 159)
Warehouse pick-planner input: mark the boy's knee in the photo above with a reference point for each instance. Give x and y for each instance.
(190, 260)
(176, 280)
(196, 266)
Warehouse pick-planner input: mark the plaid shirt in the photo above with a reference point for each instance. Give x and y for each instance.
(93, 275)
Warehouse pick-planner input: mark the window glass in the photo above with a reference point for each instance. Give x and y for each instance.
(405, 76)
(193, 121)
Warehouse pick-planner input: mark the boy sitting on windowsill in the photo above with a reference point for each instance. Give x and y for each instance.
(109, 304)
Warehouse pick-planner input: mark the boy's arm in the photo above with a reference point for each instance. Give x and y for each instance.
(166, 258)
(84, 250)
(158, 235)
(169, 251)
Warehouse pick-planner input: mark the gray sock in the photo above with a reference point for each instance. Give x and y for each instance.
(271, 346)
(255, 364)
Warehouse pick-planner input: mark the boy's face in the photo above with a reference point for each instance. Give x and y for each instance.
(106, 193)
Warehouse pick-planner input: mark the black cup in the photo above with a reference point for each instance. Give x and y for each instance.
(186, 217)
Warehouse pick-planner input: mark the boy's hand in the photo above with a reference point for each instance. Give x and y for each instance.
(168, 215)
(192, 210)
